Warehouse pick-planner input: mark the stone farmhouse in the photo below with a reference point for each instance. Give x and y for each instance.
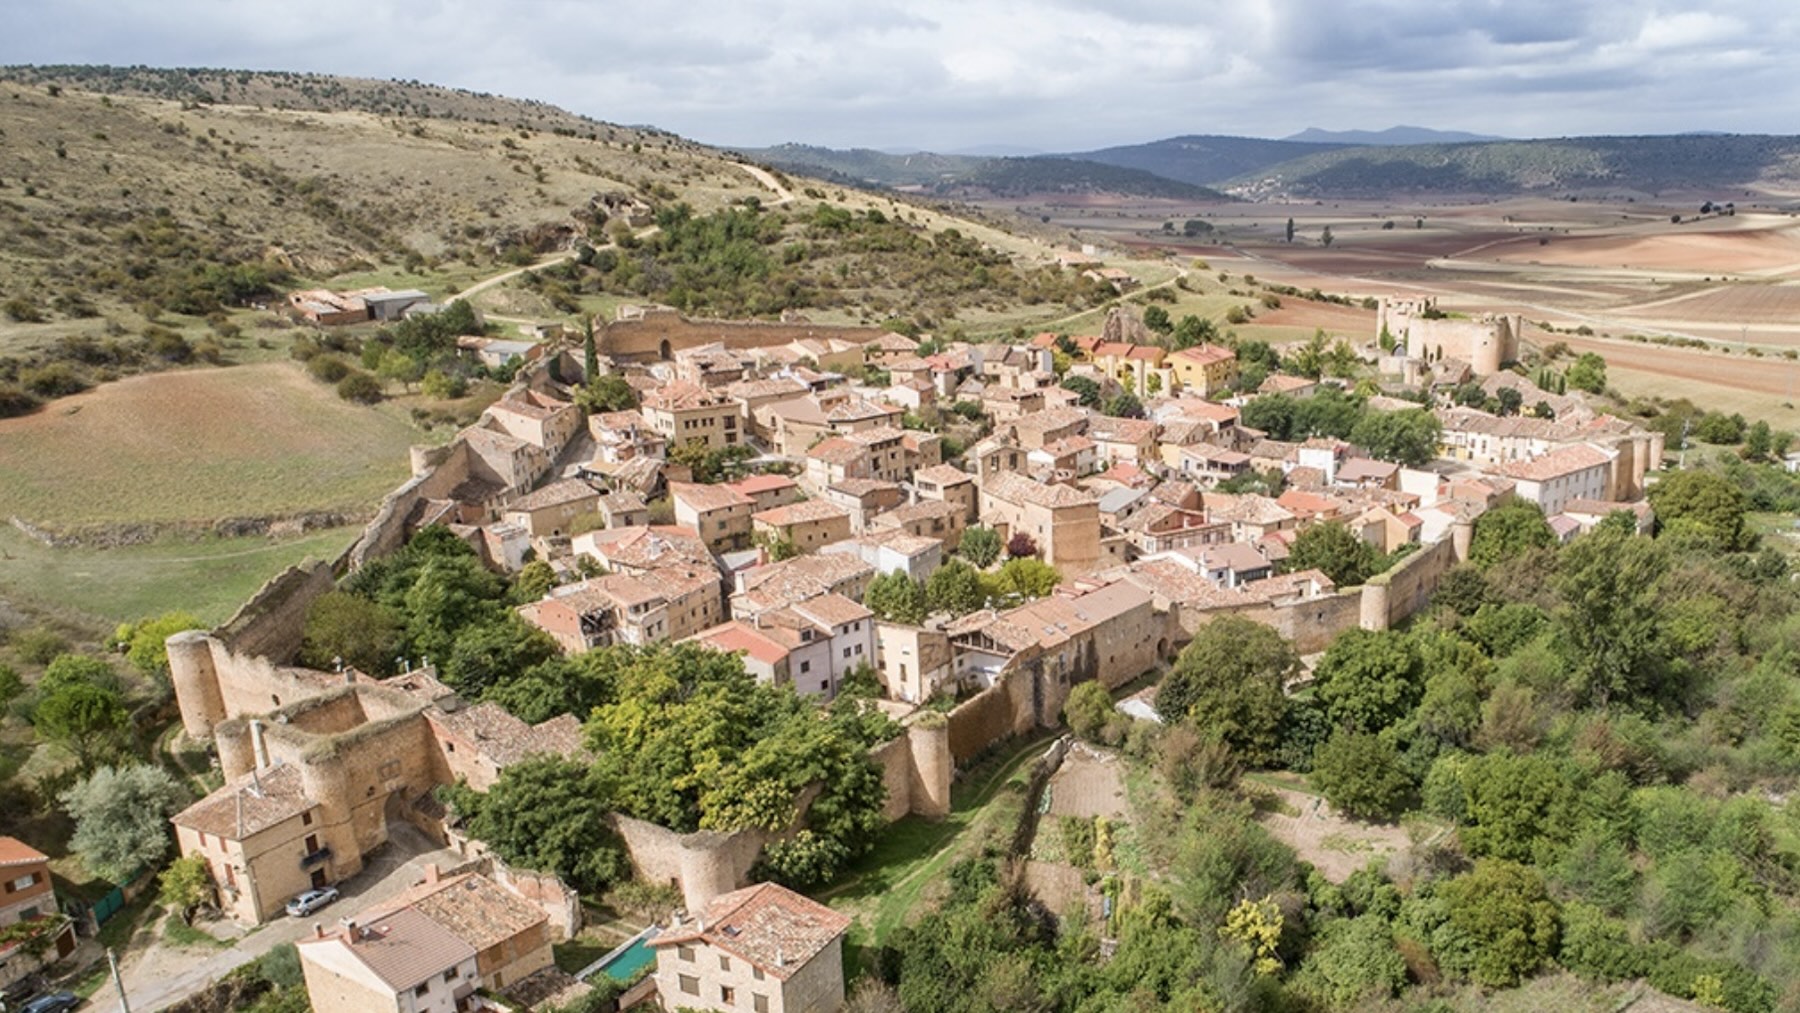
(764, 948)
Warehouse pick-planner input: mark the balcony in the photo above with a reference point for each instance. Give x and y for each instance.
(312, 858)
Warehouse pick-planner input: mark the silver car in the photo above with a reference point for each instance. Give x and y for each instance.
(311, 901)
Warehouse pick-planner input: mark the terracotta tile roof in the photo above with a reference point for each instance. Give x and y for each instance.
(1281, 383)
(837, 450)
(925, 509)
(499, 736)
(804, 577)
(568, 490)
(1557, 463)
(404, 949)
(1599, 508)
(706, 498)
(249, 804)
(859, 488)
(16, 852)
(832, 610)
(1019, 489)
(1248, 508)
(646, 548)
(804, 512)
(762, 483)
(878, 434)
(772, 927)
(778, 386)
(738, 635)
(685, 396)
(943, 474)
(1358, 469)
(1204, 355)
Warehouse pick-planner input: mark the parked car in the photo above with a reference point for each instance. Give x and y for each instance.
(311, 901)
(55, 1002)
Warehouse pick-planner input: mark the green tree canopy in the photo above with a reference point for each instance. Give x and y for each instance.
(1408, 437)
(896, 598)
(1507, 531)
(122, 818)
(955, 587)
(980, 546)
(1705, 499)
(364, 634)
(1020, 578)
(1369, 679)
(1587, 373)
(1501, 924)
(88, 721)
(550, 813)
(1360, 774)
(1229, 681)
(1331, 547)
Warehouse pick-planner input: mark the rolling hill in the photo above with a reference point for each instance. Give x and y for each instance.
(1617, 165)
(1390, 136)
(965, 176)
(1202, 160)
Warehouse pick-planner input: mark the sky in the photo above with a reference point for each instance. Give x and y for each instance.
(1039, 75)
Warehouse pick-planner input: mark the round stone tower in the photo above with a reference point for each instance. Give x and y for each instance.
(237, 755)
(929, 740)
(1375, 607)
(196, 682)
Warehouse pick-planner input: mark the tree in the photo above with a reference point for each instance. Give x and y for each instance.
(442, 386)
(1356, 962)
(1587, 373)
(980, 546)
(1360, 774)
(1088, 710)
(608, 393)
(1194, 330)
(1124, 405)
(955, 588)
(1271, 413)
(1610, 630)
(1157, 319)
(590, 356)
(185, 885)
(1369, 679)
(122, 819)
(485, 655)
(550, 813)
(1331, 547)
(1758, 441)
(396, 366)
(1409, 436)
(1023, 577)
(1325, 236)
(67, 670)
(1021, 546)
(1228, 681)
(1503, 923)
(1509, 531)
(88, 721)
(1510, 401)
(1290, 230)
(1087, 391)
(1704, 499)
(145, 642)
(347, 628)
(897, 598)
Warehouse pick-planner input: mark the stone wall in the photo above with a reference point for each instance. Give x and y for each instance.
(1485, 342)
(1390, 597)
(1002, 710)
(546, 891)
(658, 334)
(269, 624)
(701, 865)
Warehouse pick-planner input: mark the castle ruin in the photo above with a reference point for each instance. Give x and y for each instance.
(1421, 331)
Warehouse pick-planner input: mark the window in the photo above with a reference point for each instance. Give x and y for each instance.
(29, 913)
(689, 984)
(859, 649)
(424, 987)
(824, 686)
(756, 972)
(724, 962)
(306, 819)
(686, 953)
(759, 1003)
(450, 975)
(24, 882)
(805, 667)
(312, 843)
(727, 994)
(846, 652)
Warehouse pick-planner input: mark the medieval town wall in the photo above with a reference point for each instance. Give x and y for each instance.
(658, 334)
(702, 865)
(1390, 597)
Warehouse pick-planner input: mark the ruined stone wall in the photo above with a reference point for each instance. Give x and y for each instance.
(658, 334)
(546, 891)
(916, 769)
(1311, 625)
(1003, 709)
(701, 865)
(437, 471)
(269, 624)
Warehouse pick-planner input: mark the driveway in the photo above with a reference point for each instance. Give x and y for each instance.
(161, 974)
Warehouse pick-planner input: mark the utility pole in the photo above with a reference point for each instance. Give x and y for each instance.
(119, 983)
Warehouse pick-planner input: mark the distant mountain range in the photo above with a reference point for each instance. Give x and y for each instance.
(1392, 135)
(1311, 169)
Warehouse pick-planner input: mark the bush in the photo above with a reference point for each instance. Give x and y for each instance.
(327, 368)
(359, 387)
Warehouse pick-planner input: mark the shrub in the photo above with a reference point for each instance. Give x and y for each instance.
(327, 368)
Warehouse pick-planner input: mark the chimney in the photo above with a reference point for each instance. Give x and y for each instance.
(431, 872)
(350, 935)
(258, 743)
(318, 930)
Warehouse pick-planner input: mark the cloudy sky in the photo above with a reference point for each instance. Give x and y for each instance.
(1035, 74)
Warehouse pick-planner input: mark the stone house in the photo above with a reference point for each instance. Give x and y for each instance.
(777, 585)
(764, 949)
(1131, 441)
(551, 512)
(407, 963)
(719, 513)
(617, 608)
(1062, 520)
(914, 663)
(1110, 632)
(625, 436)
(949, 484)
(806, 525)
(767, 492)
(765, 657)
(624, 510)
(539, 419)
(511, 936)
(863, 498)
(893, 549)
(925, 519)
(684, 412)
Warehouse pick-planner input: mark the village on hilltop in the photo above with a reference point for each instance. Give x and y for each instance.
(951, 536)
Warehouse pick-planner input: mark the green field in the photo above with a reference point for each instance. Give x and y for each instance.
(199, 445)
(209, 578)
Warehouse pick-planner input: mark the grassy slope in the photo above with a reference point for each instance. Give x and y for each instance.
(198, 445)
(100, 588)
